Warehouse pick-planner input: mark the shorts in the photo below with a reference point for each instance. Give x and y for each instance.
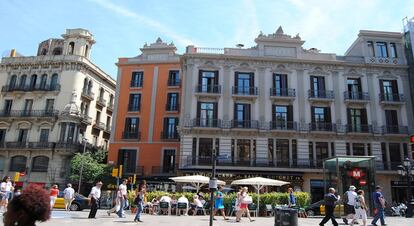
(6, 196)
(360, 213)
(349, 209)
(243, 206)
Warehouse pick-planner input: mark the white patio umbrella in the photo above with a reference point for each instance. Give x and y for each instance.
(258, 183)
(196, 180)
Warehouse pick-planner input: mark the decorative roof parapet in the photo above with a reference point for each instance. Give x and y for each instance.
(278, 36)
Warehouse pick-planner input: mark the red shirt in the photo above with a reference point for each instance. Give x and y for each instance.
(54, 192)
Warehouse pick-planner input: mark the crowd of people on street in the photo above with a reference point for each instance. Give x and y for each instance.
(355, 206)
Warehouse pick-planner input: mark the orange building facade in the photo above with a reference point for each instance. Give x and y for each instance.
(145, 139)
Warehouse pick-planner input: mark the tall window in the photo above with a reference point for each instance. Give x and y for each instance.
(174, 78)
(44, 135)
(137, 79)
(12, 83)
(242, 115)
(322, 152)
(280, 85)
(18, 163)
(50, 105)
(317, 86)
(357, 120)
(381, 49)
(131, 124)
(2, 136)
(205, 148)
(371, 50)
(389, 90)
(354, 88)
(321, 118)
(54, 82)
(8, 106)
(244, 151)
(134, 102)
(208, 81)
(71, 48)
(101, 94)
(43, 82)
(282, 117)
(391, 119)
(244, 83)
(393, 50)
(282, 152)
(206, 114)
(28, 105)
(128, 159)
(2, 163)
(22, 83)
(172, 102)
(170, 128)
(40, 164)
(33, 81)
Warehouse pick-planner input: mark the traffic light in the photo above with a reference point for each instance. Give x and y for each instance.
(412, 139)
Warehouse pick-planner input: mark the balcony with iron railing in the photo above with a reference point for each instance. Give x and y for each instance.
(110, 106)
(322, 127)
(41, 145)
(129, 171)
(282, 93)
(327, 95)
(134, 108)
(31, 88)
(205, 161)
(108, 128)
(395, 129)
(172, 107)
(131, 135)
(86, 119)
(359, 128)
(29, 113)
(244, 124)
(174, 82)
(283, 125)
(170, 135)
(101, 102)
(350, 96)
(206, 123)
(245, 91)
(387, 165)
(99, 125)
(164, 170)
(136, 83)
(87, 94)
(392, 98)
(208, 89)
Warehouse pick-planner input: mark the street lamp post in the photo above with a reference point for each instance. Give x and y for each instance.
(81, 168)
(213, 184)
(407, 170)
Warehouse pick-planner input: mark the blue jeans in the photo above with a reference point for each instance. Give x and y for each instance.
(379, 215)
(140, 208)
(120, 212)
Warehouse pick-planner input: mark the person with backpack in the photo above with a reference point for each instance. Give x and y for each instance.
(349, 203)
(360, 208)
(139, 199)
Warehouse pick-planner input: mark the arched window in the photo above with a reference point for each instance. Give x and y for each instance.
(40, 164)
(18, 163)
(101, 93)
(33, 81)
(22, 81)
(2, 163)
(43, 82)
(85, 85)
(54, 82)
(90, 86)
(82, 108)
(111, 100)
(86, 50)
(44, 52)
(57, 51)
(12, 83)
(71, 48)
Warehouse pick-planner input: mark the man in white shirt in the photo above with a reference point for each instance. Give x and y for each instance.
(349, 197)
(124, 197)
(69, 196)
(183, 199)
(197, 204)
(94, 197)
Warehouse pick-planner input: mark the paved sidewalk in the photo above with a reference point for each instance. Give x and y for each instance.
(62, 218)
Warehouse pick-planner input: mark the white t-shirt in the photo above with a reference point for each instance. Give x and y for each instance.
(123, 189)
(95, 192)
(6, 186)
(182, 200)
(198, 203)
(165, 199)
(351, 197)
(69, 193)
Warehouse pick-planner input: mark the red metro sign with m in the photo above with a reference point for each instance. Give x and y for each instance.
(356, 173)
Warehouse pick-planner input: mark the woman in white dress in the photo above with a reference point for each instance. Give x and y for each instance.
(360, 208)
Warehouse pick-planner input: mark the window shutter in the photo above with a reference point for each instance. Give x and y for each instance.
(235, 112)
(381, 86)
(394, 86)
(328, 118)
(313, 114)
(198, 109)
(349, 116)
(216, 77)
(311, 84)
(120, 157)
(165, 126)
(273, 112)
(137, 125)
(284, 81)
(200, 76)
(247, 112)
(215, 110)
(364, 118)
(251, 79)
(290, 113)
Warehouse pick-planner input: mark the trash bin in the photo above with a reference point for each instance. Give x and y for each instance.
(410, 208)
(277, 216)
(288, 217)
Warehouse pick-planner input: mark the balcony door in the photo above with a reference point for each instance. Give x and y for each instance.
(354, 88)
(28, 105)
(207, 81)
(8, 106)
(207, 114)
(128, 159)
(389, 89)
(318, 86)
(391, 119)
(22, 137)
(244, 83)
(357, 120)
(280, 85)
(282, 117)
(170, 127)
(242, 115)
(321, 118)
(168, 165)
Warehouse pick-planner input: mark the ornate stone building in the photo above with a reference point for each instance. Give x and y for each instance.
(279, 110)
(49, 104)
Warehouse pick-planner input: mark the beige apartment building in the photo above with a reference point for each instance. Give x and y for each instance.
(51, 104)
(278, 110)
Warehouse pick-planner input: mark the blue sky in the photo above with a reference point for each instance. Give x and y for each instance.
(121, 27)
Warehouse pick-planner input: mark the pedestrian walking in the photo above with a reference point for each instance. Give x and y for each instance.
(219, 203)
(54, 192)
(349, 203)
(292, 198)
(360, 208)
(139, 200)
(69, 196)
(330, 203)
(246, 199)
(94, 197)
(379, 204)
(117, 206)
(6, 189)
(123, 198)
(31, 206)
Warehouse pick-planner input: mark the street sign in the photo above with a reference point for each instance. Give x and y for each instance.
(135, 179)
(115, 172)
(120, 171)
(16, 177)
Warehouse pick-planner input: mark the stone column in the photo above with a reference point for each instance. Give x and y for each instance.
(262, 150)
(226, 88)
(340, 147)
(186, 150)
(262, 94)
(303, 152)
(225, 148)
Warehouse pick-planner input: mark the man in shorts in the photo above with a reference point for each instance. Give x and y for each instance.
(349, 204)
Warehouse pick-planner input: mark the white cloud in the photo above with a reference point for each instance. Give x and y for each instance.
(151, 23)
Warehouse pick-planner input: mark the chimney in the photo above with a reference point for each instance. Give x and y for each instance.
(13, 53)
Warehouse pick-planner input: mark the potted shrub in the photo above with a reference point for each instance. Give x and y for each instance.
(131, 198)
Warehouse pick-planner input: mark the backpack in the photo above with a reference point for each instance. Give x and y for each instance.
(345, 198)
(138, 200)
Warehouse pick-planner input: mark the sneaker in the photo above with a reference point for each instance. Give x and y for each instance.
(140, 220)
(345, 221)
(374, 224)
(252, 220)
